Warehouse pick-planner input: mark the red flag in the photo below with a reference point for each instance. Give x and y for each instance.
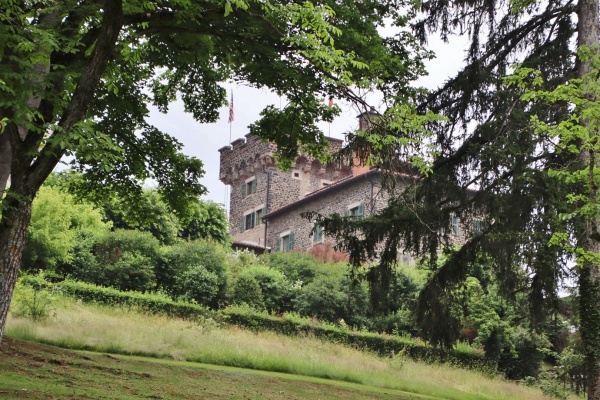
(231, 108)
(330, 101)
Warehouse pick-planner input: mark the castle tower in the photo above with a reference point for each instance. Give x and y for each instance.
(258, 188)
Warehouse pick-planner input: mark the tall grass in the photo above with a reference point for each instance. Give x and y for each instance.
(117, 330)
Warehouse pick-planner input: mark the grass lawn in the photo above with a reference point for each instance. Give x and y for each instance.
(284, 367)
(33, 371)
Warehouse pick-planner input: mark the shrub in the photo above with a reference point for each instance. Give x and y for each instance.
(33, 300)
(198, 285)
(176, 261)
(246, 290)
(130, 272)
(112, 246)
(277, 292)
(330, 298)
(147, 302)
(123, 259)
(295, 266)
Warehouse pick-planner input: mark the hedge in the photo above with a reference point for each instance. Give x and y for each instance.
(290, 325)
(381, 344)
(147, 302)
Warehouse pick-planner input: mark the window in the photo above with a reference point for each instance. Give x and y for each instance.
(296, 174)
(454, 224)
(260, 213)
(249, 187)
(247, 221)
(477, 226)
(318, 234)
(285, 241)
(251, 219)
(355, 211)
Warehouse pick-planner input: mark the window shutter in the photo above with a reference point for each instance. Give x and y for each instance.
(242, 220)
(361, 210)
(278, 245)
(346, 213)
(254, 186)
(291, 242)
(243, 190)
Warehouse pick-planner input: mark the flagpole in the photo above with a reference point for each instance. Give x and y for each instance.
(330, 105)
(230, 120)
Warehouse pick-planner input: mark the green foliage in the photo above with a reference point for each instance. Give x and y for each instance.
(297, 266)
(148, 302)
(57, 224)
(384, 345)
(205, 220)
(32, 299)
(331, 298)
(246, 290)
(177, 260)
(276, 291)
(125, 260)
(323, 299)
(149, 214)
(198, 285)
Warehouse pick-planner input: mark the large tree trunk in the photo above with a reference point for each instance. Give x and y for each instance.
(12, 241)
(589, 270)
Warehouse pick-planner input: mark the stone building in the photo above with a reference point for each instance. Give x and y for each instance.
(266, 203)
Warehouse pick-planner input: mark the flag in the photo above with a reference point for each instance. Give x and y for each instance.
(231, 108)
(330, 101)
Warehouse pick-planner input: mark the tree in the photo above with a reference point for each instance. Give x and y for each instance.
(488, 163)
(76, 78)
(58, 226)
(205, 220)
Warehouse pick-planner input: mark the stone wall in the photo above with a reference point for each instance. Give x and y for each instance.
(251, 159)
(365, 190)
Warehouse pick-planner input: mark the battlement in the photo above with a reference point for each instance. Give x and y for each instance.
(243, 157)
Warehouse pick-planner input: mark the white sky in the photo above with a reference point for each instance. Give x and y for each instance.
(204, 140)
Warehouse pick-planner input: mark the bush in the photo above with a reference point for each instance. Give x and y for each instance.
(33, 300)
(147, 302)
(384, 345)
(198, 285)
(176, 261)
(112, 246)
(295, 266)
(332, 299)
(246, 290)
(277, 292)
(130, 272)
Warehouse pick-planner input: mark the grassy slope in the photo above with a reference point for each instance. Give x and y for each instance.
(34, 371)
(127, 332)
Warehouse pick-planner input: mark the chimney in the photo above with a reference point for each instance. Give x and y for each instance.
(365, 122)
(366, 119)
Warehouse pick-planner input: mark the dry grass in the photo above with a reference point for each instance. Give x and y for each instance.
(115, 330)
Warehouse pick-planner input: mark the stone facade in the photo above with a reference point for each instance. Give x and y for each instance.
(361, 193)
(258, 188)
(266, 203)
